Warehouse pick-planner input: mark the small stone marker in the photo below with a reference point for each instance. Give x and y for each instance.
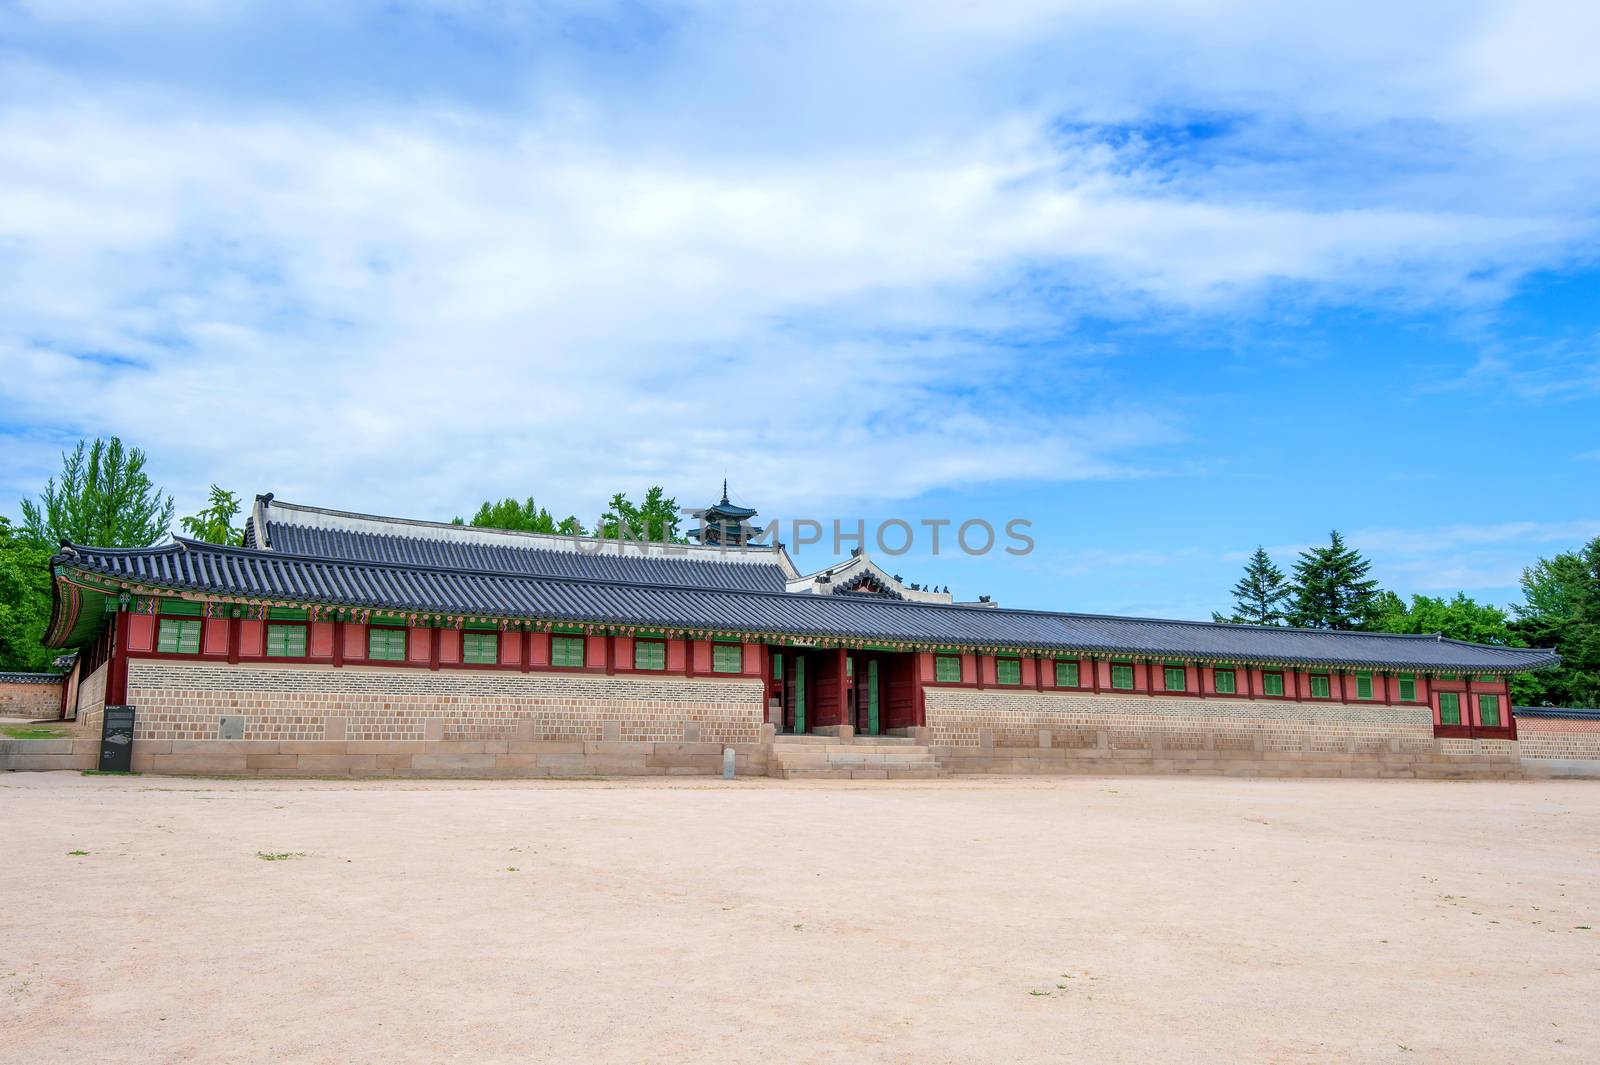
(727, 763)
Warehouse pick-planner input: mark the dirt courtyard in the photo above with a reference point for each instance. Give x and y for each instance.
(1098, 920)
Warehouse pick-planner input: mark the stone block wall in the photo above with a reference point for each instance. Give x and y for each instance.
(92, 699)
(31, 699)
(1556, 746)
(376, 721)
(992, 731)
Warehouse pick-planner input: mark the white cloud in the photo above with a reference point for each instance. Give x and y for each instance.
(776, 246)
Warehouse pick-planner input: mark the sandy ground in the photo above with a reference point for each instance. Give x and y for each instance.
(1094, 920)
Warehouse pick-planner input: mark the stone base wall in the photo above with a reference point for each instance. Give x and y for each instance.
(92, 699)
(1563, 747)
(1044, 732)
(32, 701)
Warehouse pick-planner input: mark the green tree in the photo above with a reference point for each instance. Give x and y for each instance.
(655, 519)
(1331, 589)
(104, 499)
(1561, 610)
(24, 601)
(1460, 618)
(522, 517)
(1261, 594)
(214, 524)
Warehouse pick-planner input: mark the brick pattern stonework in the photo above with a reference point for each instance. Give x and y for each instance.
(1031, 732)
(186, 702)
(30, 700)
(92, 700)
(1556, 738)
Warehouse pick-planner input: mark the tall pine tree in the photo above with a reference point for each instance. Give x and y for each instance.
(1331, 588)
(1261, 594)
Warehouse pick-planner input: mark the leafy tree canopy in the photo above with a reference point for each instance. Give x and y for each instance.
(1561, 609)
(522, 517)
(104, 498)
(1460, 618)
(1262, 594)
(655, 519)
(24, 601)
(214, 523)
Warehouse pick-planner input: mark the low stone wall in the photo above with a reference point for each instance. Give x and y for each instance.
(1047, 732)
(30, 695)
(1559, 746)
(92, 699)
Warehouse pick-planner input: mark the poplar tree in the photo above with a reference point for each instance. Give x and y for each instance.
(104, 499)
(1261, 594)
(1331, 589)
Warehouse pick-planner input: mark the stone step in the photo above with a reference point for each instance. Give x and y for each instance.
(808, 739)
(845, 748)
(932, 772)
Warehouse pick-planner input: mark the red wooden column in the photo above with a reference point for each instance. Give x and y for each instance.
(1388, 683)
(844, 687)
(977, 660)
(433, 647)
(1149, 679)
(1344, 695)
(1038, 673)
(527, 650)
(338, 642)
(1094, 673)
(117, 671)
(233, 640)
(688, 658)
(611, 654)
(1200, 678)
(1249, 685)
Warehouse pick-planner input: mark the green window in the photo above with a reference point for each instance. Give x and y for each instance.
(567, 651)
(1272, 684)
(1226, 681)
(947, 669)
(727, 658)
(1489, 711)
(1175, 678)
(387, 645)
(1449, 708)
(1320, 688)
(1008, 670)
(777, 667)
(178, 636)
(1122, 676)
(649, 654)
(1066, 674)
(1407, 683)
(480, 648)
(1363, 685)
(1449, 676)
(1489, 679)
(286, 641)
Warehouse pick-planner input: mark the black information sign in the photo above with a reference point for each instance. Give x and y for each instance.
(116, 740)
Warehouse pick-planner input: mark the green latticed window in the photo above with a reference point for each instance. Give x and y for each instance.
(1407, 685)
(1122, 676)
(480, 648)
(567, 651)
(1272, 684)
(947, 669)
(1008, 670)
(1489, 678)
(1066, 674)
(178, 636)
(1489, 711)
(286, 641)
(1320, 688)
(649, 654)
(1226, 681)
(386, 645)
(1174, 678)
(727, 658)
(1449, 676)
(1363, 685)
(1449, 708)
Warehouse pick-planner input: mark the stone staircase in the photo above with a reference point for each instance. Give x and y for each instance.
(856, 758)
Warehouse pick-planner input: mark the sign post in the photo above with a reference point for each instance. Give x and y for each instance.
(116, 739)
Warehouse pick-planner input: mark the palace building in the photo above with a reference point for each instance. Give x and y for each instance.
(350, 644)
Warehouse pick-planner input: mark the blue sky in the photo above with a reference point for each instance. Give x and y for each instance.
(1167, 279)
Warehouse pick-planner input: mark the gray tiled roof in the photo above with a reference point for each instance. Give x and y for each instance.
(404, 586)
(527, 561)
(30, 678)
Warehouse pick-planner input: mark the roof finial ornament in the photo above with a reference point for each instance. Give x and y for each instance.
(724, 489)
